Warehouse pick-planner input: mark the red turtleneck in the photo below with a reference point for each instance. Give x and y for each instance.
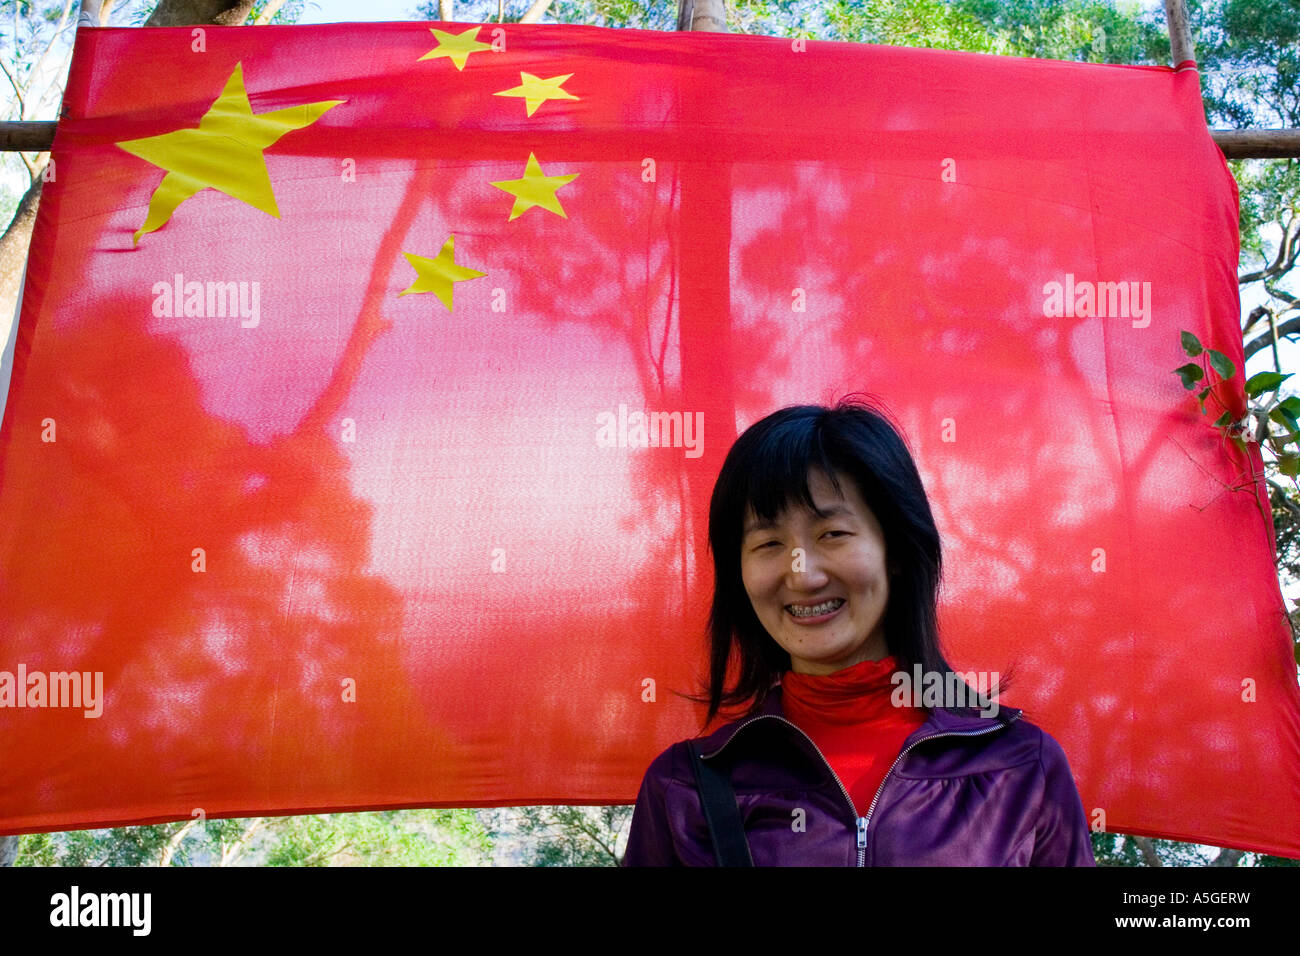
(850, 718)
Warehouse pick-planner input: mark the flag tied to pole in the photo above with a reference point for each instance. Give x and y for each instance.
(371, 381)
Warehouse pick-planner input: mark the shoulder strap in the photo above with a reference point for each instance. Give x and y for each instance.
(726, 829)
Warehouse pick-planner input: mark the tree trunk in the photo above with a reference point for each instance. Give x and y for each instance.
(1148, 850)
(13, 247)
(181, 13)
(702, 15)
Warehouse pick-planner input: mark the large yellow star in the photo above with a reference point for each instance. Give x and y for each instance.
(458, 46)
(536, 90)
(535, 189)
(438, 275)
(224, 153)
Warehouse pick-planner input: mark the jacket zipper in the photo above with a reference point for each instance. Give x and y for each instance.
(861, 822)
(866, 821)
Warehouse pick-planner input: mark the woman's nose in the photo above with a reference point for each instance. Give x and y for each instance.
(806, 570)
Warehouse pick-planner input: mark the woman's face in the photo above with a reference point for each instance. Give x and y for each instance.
(802, 561)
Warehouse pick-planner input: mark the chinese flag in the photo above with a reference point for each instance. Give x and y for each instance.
(371, 382)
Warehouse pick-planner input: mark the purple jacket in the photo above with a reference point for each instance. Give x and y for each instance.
(964, 791)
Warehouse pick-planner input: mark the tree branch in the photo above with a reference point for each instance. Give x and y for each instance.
(1287, 249)
(536, 11)
(169, 851)
(1290, 327)
(271, 9)
(1227, 857)
(1282, 294)
(63, 22)
(18, 93)
(1148, 851)
(236, 849)
(1255, 315)
(1287, 502)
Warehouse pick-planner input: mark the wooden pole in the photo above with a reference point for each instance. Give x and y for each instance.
(89, 14)
(1258, 143)
(35, 137)
(1180, 34)
(27, 137)
(710, 15)
(702, 15)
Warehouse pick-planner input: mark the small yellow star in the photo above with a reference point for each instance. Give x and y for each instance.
(438, 275)
(223, 153)
(457, 46)
(535, 189)
(536, 90)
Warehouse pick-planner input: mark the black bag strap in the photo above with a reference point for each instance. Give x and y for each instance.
(726, 829)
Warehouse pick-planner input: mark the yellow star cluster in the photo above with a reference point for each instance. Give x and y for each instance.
(226, 152)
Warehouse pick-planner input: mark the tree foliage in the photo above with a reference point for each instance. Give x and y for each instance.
(385, 838)
(573, 836)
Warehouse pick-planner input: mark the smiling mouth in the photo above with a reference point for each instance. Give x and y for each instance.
(815, 610)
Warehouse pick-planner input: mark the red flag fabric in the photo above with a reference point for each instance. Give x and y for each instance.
(371, 382)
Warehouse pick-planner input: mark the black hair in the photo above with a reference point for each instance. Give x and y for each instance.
(765, 472)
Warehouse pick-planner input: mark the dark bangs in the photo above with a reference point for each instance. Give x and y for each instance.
(777, 476)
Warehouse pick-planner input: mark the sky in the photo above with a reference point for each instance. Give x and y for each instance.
(350, 11)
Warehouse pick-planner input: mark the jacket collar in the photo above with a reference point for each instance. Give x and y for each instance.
(938, 722)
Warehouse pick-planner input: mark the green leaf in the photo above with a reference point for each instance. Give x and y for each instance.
(1290, 404)
(1223, 420)
(1262, 382)
(1221, 364)
(1241, 445)
(1287, 464)
(1190, 374)
(1284, 416)
(1191, 344)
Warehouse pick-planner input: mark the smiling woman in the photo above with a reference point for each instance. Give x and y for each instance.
(817, 578)
(827, 564)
